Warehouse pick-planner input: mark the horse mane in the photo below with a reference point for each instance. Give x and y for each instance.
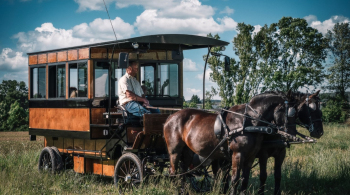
(296, 95)
(272, 93)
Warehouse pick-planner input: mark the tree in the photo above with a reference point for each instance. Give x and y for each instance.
(209, 97)
(301, 51)
(339, 48)
(18, 118)
(195, 99)
(11, 92)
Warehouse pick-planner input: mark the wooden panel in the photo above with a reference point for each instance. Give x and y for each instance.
(88, 165)
(67, 81)
(29, 88)
(68, 144)
(62, 56)
(84, 53)
(33, 59)
(169, 55)
(132, 133)
(90, 79)
(153, 123)
(42, 58)
(52, 57)
(48, 141)
(99, 53)
(78, 144)
(99, 144)
(153, 55)
(59, 144)
(74, 119)
(97, 115)
(72, 55)
(47, 82)
(108, 168)
(97, 167)
(90, 145)
(78, 164)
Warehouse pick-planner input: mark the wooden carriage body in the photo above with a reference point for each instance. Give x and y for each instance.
(69, 89)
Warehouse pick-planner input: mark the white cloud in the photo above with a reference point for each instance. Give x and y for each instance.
(91, 4)
(227, 11)
(187, 9)
(327, 24)
(189, 65)
(193, 91)
(207, 76)
(12, 61)
(150, 23)
(257, 29)
(48, 37)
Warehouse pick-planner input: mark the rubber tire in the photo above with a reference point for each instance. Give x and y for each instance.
(59, 162)
(205, 185)
(47, 158)
(128, 157)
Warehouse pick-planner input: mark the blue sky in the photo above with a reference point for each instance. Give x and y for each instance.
(35, 25)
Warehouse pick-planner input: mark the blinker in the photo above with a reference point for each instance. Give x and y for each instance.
(291, 112)
(312, 106)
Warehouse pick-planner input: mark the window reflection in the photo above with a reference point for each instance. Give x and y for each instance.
(78, 80)
(38, 82)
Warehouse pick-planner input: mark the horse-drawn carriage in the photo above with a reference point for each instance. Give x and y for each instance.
(73, 104)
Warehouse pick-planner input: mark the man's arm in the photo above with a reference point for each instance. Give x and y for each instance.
(134, 97)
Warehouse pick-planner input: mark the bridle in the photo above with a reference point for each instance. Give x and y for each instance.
(290, 112)
(310, 126)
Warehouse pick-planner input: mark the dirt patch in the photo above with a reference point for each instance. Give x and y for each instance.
(17, 136)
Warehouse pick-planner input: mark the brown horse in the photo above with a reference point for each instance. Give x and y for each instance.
(190, 131)
(309, 113)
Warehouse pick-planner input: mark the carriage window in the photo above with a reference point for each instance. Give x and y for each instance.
(78, 80)
(101, 80)
(168, 83)
(38, 82)
(147, 79)
(57, 81)
(118, 73)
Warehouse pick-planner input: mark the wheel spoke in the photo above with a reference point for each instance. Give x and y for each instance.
(122, 171)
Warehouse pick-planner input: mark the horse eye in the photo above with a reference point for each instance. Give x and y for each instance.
(291, 112)
(312, 106)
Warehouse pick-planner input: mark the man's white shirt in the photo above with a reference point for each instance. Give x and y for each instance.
(128, 82)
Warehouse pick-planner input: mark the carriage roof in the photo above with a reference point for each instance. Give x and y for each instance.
(157, 42)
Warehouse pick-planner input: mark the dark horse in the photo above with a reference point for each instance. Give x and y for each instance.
(309, 114)
(190, 131)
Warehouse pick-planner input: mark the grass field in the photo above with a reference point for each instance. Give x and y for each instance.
(322, 168)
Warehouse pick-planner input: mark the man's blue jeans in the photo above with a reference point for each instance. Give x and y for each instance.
(137, 109)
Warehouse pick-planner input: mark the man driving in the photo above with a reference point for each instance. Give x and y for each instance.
(130, 92)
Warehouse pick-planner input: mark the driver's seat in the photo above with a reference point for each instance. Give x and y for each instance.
(128, 117)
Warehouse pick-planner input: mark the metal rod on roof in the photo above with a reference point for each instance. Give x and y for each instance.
(205, 66)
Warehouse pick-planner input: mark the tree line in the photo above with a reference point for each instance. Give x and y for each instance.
(285, 55)
(14, 113)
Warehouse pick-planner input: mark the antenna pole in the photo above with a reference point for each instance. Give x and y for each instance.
(205, 66)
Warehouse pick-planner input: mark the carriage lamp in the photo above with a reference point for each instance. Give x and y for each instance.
(135, 45)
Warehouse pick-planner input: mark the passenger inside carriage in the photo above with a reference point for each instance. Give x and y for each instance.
(131, 95)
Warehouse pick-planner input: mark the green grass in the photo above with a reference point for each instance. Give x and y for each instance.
(321, 168)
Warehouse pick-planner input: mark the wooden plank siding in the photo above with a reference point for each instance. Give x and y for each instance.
(52, 57)
(84, 53)
(62, 56)
(42, 58)
(72, 55)
(33, 59)
(71, 119)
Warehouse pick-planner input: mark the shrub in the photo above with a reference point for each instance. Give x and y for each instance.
(333, 112)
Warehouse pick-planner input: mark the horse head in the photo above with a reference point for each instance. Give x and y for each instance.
(283, 109)
(309, 113)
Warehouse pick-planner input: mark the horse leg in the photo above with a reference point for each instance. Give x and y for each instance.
(263, 173)
(245, 175)
(174, 156)
(278, 170)
(236, 170)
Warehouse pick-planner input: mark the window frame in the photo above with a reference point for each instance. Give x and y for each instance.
(48, 78)
(32, 84)
(87, 74)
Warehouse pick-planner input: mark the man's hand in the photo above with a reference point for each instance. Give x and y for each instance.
(145, 102)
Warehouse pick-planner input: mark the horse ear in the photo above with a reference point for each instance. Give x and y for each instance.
(315, 94)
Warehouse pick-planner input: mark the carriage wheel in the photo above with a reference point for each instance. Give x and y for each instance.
(47, 160)
(202, 180)
(59, 162)
(128, 172)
